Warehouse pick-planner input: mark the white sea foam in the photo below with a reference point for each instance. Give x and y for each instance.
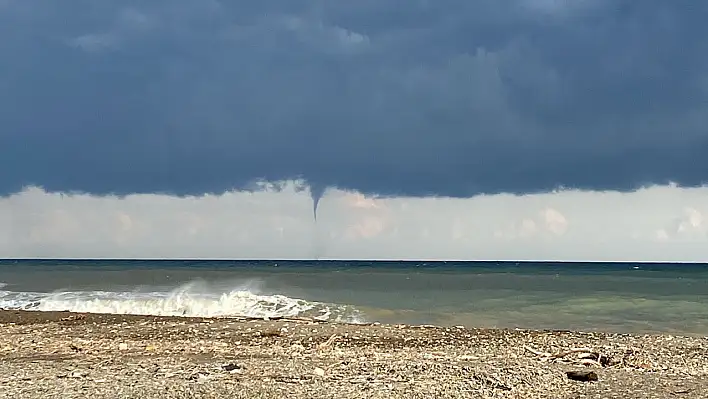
(192, 300)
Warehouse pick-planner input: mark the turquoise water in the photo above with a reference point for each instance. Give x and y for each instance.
(611, 297)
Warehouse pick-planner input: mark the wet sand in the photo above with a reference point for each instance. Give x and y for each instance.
(65, 355)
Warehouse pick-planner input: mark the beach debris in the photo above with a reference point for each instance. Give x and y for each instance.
(123, 346)
(270, 333)
(559, 355)
(585, 357)
(491, 382)
(73, 374)
(232, 367)
(330, 341)
(583, 376)
(319, 372)
(75, 348)
(199, 376)
(297, 347)
(73, 317)
(292, 319)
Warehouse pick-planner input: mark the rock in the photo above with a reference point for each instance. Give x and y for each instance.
(584, 376)
(231, 367)
(75, 374)
(198, 376)
(319, 372)
(270, 333)
(297, 348)
(123, 346)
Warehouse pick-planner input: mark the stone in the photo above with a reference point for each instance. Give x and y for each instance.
(584, 376)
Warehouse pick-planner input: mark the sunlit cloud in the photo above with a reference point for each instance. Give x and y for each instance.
(658, 223)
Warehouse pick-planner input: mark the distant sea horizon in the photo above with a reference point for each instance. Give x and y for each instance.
(401, 260)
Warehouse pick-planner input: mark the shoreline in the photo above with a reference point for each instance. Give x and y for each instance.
(75, 355)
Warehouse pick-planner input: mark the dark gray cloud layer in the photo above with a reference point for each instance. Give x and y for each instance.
(447, 97)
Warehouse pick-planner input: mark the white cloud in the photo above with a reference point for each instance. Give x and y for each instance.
(128, 23)
(560, 8)
(317, 34)
(555, 222)
(94, 42)
(660, 223)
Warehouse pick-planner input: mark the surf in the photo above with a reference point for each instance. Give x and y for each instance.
(189, 300)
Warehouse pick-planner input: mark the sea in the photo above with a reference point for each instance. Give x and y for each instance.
(612, 297)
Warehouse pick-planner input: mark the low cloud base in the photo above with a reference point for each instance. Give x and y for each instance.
(658, 223)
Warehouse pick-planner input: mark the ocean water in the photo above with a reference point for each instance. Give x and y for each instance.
(619, 297)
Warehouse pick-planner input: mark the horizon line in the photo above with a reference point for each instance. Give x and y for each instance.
(403, 260)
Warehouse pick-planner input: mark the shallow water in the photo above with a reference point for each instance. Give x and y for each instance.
(615, 297)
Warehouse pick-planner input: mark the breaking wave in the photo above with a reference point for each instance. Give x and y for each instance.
(191, 300)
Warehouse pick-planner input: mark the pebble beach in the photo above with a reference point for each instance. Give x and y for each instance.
(72, 355)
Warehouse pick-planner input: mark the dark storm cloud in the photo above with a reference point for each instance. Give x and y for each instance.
(418, 97)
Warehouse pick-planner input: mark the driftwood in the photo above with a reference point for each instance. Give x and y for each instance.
(587, 357)
(293, 319)
(328, 343)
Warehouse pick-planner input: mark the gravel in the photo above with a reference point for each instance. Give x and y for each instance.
(65, 355)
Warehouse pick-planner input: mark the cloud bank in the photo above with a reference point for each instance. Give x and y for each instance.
(447, 125)
(658, 223)
(413, 98)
